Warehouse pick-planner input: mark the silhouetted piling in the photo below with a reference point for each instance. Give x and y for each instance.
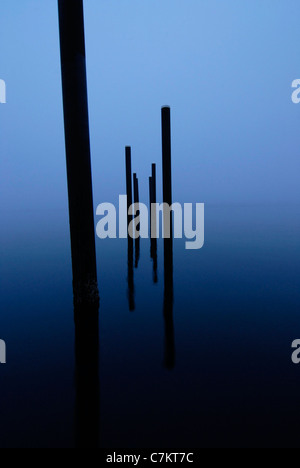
(77, 141)
(154, 224)
(150, 212)
(136, 190)
(152, 198)
(128, 182)
(130, 272)
(167, 189)
(166, 154)
(136, 202)
(168, 242)
(153, 183)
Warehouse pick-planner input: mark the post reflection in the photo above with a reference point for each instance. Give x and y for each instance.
(87, 405)
(130, 275)
(169, 359)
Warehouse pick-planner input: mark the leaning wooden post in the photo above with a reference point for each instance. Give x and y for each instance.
(77, 141)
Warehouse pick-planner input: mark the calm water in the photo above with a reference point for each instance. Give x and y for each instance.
(235, 314)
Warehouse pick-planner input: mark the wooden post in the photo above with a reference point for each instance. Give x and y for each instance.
(77, 141)
(166, 153)
(136, 202)
(150, 204)
(130, 273)
(167, 190)
(153, 211)
(154, 224)
(154, 183)
(150, 191)
(168, 242)
(136, 189)
(128, 183)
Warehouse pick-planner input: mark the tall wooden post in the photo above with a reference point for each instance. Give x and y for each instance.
(168, 242)
(77, 141)
(167, 188)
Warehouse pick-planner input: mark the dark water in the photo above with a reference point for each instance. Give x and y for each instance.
(236, 312)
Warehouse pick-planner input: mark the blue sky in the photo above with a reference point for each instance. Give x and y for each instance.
(224, 67)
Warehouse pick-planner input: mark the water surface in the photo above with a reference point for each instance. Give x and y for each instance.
(218, 373)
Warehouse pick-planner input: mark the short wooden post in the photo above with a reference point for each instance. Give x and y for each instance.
(136, 202)
(128, 182)
(130, 272)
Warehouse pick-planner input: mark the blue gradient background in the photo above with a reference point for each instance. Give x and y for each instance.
(225, 68)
